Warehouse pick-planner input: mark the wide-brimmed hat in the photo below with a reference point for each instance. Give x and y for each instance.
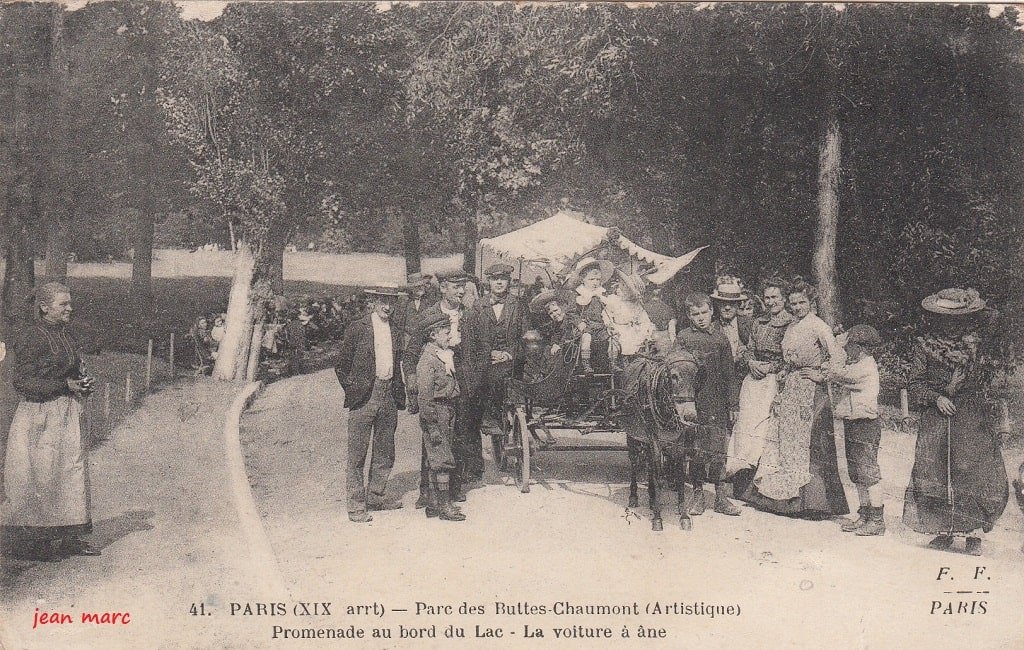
(376, 294)
(587, 263)
(729, 292)
(954, 302)
(633, 284)
(539, 304)
(499, 271)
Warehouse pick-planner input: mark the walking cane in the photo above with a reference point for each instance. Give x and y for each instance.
(949, 471)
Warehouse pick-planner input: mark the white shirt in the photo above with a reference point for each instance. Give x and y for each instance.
(498, 308)
(455, 315)
(858, 389)
(383, 352)
(732, 332)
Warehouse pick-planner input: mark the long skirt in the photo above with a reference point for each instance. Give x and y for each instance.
(752, 423)
(808, 484)
(46, 477)
(972, 491)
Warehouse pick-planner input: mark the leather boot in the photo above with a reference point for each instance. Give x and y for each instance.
(722, 503)
(698, 505)
(431, 505)
(446, 509)
(852, 525)
(455, 485)
(875, 525)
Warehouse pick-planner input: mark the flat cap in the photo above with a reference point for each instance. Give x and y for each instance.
(499, 270)
(456, 275)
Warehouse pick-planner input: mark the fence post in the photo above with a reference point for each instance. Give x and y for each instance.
(106, 408)
(904, 403)
(172, 355)
(149, 364)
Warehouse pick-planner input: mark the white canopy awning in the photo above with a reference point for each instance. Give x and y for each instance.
(557, 240)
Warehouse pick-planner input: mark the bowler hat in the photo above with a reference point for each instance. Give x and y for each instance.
(954, 302)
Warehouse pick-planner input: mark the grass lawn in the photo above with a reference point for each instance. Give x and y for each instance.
(105, 321)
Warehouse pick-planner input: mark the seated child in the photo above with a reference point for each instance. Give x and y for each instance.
(627, 320)
(857, 406)
(592, 274)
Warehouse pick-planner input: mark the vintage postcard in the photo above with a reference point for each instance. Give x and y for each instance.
(511, 325)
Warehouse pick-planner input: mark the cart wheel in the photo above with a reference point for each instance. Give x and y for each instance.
(521, 437)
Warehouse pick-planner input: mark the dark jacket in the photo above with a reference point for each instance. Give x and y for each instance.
(46, 358)
(489, 334)
(744, 326)
(357, 367)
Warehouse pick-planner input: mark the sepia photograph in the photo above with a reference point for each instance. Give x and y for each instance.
(511, 324)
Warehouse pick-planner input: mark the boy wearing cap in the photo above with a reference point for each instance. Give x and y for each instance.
(857, 406)
(369, 371)
(453, 289)
(438, 390)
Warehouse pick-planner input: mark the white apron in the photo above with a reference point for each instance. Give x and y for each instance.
(752, 424)
(45, 469)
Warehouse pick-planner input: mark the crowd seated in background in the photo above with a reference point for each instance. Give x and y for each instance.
(295, 329)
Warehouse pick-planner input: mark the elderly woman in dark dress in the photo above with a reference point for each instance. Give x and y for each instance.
(45, 469)
(959, 483)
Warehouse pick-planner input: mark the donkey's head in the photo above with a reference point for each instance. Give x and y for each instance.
(682, 371)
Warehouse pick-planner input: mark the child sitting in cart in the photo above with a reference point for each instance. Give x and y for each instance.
(591, 275)
(629, 324)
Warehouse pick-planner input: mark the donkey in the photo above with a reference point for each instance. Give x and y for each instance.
(658, 413)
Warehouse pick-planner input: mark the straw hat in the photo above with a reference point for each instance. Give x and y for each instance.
(954, 302)
(539, 304)
(633, 284)
(729, 292)
(587, 263)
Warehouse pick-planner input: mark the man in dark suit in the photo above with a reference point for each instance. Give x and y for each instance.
(453, 289)
(727, 297)
(369, 371)
(420, 297)
(498, 328)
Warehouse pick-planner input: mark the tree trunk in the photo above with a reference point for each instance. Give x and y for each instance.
(824, 262)
(250, 291)
(277, 239)
(472, 233)
(19, 270)
(142, 262)
(411, 242)
(57, 244)
(58, 203)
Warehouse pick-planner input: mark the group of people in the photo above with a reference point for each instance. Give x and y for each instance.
(772, 386)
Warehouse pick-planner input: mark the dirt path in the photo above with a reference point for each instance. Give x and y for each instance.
(572, 539)
(169, 533)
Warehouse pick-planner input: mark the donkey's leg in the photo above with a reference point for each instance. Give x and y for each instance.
(652, 489)
(684, 500)
(634, 460)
